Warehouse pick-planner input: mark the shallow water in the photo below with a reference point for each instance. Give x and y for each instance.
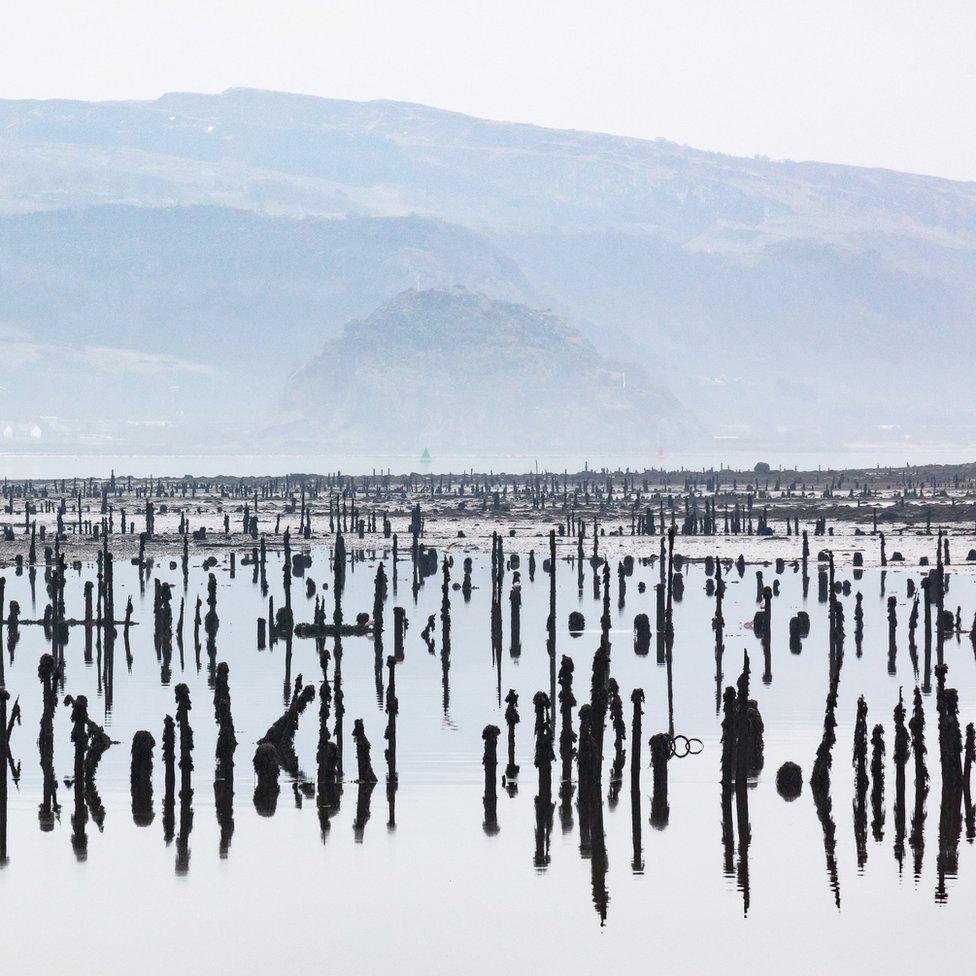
(437, 893)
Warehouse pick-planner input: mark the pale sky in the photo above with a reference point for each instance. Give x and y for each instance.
(870, 82)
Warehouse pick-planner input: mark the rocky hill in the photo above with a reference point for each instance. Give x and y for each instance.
(454, 370)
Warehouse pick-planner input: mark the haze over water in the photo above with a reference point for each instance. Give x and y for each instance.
(57, 466)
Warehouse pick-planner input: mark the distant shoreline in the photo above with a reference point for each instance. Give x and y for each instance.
(48, 466)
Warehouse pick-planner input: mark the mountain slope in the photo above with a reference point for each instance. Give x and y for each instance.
(392, 157)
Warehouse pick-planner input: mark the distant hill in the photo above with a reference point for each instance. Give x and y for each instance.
(219, 283)
(782, 302)
(454, 370)
(281, 152)
(192, 318)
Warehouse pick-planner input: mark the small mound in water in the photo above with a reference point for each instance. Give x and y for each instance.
(789, 781)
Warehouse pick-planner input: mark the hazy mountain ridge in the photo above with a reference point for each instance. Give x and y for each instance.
(454, 166)
(220, 280)
(190, 317)
(838, 294)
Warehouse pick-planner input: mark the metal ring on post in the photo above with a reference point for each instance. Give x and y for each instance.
(674, 746)
(682, 746)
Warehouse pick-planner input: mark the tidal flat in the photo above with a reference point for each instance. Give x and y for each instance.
(319, 662)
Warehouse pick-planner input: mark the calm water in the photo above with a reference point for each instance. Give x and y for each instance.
(436, 893)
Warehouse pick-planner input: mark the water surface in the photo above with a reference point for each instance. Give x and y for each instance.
(436, 893)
